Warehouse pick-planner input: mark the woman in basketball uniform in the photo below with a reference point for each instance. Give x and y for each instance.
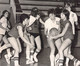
(34, 31)
(13, 37)
(67, 34)
(74, 21)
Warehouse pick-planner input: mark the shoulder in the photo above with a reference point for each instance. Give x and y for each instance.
(73, 14)
(57, 19)
(3, 19)
(48, 20)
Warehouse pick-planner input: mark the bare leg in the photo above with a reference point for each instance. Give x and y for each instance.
(32, 50)
(58, 44)
(7, 42)
(68, 53)
(52, 48)
(15, 46)
(38, 44)
(27, 50)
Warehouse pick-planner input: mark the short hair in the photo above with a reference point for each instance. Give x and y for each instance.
(66, 13)
(23, 17)
(51, 11)
(34, 11)
(68, 4)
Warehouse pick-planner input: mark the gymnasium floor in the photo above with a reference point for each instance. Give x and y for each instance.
(43, 58)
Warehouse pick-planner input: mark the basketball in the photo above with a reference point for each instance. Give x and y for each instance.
(53, 32)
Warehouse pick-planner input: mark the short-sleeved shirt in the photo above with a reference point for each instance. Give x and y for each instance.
(52, 24)
(69, 32)
(3, 22)
(14, 31)
(73, 18)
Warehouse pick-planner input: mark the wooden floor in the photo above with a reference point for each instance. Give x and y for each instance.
(43, 58)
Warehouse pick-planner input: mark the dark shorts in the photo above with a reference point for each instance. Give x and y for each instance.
(68, 37)
(7, 35)
(35, 34)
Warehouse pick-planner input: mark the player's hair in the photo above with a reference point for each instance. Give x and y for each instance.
(66, 13)
(23, 17)
(51, 11)
(4, 13)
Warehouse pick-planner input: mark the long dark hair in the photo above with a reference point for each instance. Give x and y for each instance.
(4, 13)
(66, 13)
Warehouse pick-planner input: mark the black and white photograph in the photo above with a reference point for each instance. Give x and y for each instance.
(39, 32)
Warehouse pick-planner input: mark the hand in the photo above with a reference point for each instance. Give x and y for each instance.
(32, 46)
(55, 37)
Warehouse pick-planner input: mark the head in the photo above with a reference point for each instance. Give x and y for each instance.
(35, 12)
(53, 32)
(68, 6)
(51, 14)
(24, 19)
(65, 14)
(58, 11)
(6, 14)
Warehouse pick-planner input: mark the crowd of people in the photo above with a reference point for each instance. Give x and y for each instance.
(59, 28)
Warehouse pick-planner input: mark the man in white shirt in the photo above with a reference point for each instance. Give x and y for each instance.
(72, 18)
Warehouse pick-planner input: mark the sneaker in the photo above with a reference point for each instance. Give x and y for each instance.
(7, 59)
(35, 59)
(60, 62)
(76, 63)
(29, 62)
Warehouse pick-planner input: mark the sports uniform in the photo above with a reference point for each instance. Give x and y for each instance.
(69, 32)
(33, 29)
(14, 32)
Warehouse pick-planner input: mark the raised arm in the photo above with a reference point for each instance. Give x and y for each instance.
(41, 21)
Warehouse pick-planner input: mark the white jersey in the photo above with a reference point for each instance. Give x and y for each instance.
(50, 24)
(3, 22)
(73, 18)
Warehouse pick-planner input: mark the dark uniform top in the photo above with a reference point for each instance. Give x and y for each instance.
(69, 32)
(14, 31)
(34, 28)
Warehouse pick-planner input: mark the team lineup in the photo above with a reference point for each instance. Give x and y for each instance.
(59, 29)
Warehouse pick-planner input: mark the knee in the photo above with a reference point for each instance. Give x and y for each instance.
(65, 54)
(38, 50)
(53, 50)
(20, 50)
(60, 51)
(8, 45)
(17, 50)
(52, 54)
